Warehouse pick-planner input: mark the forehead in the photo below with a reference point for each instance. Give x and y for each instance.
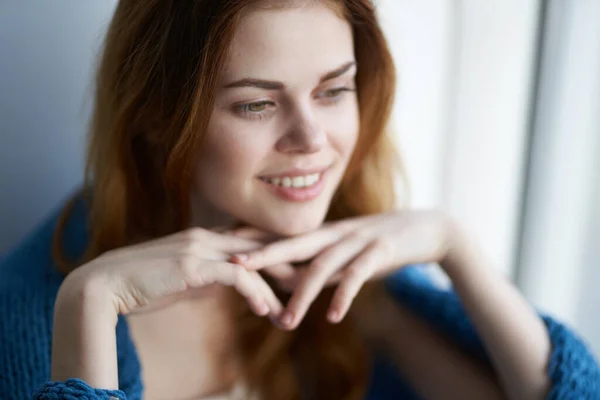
(289, 43)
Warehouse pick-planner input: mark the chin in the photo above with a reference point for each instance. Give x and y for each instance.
(287, 227)
(295, 230)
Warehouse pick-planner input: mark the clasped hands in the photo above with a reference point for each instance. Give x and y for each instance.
(346, 254)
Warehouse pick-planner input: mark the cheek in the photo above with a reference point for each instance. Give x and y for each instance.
(228, 158)
(351, 136)
(344, 128)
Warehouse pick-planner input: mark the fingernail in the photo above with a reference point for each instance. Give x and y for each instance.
(241, 257)
(276, 322)
(263, 309)
(333, 316)
(287, 318)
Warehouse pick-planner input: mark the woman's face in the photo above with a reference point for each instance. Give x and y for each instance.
(284, 123)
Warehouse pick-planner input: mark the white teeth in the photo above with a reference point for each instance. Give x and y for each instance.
(311, 179)
(296, 181)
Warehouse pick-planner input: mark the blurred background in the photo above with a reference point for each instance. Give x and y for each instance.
(497, 118)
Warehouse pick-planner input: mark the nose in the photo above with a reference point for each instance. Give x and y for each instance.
(304, 135)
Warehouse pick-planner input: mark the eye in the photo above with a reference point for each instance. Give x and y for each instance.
(258, 109)
(334, 95)
(334, 92)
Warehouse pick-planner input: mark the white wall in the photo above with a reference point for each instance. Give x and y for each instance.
(46, 54)
(467, 74)
(421, 37)
(462, 111)
(585, 315)
(559, 268)
(495, 50)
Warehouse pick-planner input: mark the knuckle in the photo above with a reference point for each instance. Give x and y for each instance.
(193, 239)
(259, 254)
(354, 273)
(186, 265)
(347, 225)
(107, 255)
(319, 263)
(383, 246)
(193, 235)
(345, 294)
(327, 258)
(356, 235)
(269, 249)
(239, 275)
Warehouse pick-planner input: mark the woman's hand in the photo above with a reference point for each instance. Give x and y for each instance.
(351, 252)
(157, 273)
(136, 279)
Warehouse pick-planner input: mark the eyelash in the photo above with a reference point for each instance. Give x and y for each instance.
(244, 109)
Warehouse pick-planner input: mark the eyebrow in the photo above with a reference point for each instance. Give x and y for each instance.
(274, 85)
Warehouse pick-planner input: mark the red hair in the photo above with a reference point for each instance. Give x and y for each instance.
(155, 89)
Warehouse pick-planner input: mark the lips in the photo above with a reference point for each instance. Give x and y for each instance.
(297, 184)
(299, 181)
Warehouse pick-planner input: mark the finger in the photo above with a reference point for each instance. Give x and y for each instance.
(289, 281)
(285, 275)
(312, 283)
(281, 271)
(223, 228)
(220, 241)
(275, 306)
(166, 250)
(196, 239)
(299, 248)
(358, 272)
(335, 278)
(240, 279)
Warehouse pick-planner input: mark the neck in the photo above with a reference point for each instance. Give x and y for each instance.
(205, 216)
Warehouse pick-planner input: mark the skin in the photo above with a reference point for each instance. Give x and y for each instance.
(353, 251)
(306, 123)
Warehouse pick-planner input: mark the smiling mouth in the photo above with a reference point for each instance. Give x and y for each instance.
(297, 182)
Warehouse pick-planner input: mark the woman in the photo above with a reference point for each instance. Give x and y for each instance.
(197, 259)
